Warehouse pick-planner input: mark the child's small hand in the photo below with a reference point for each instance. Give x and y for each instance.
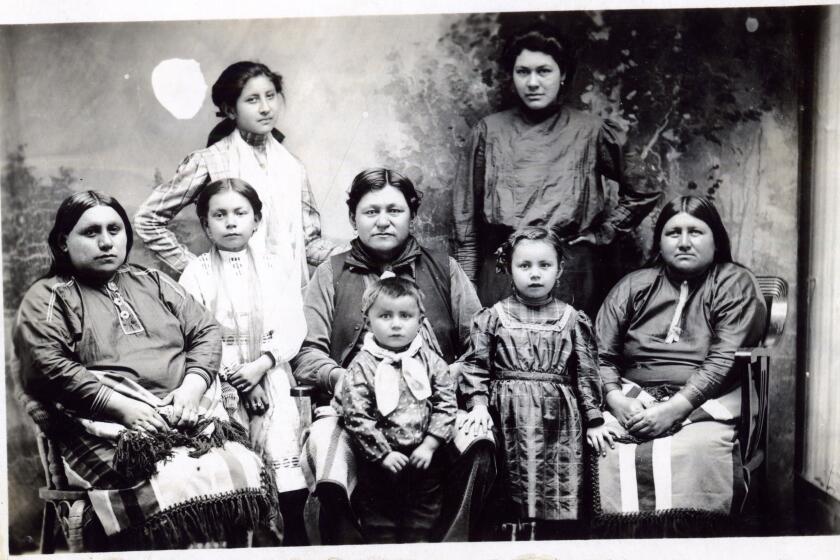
(256, 401)
(422, 455)
(394, 461)
(478, 421)
(601, 436)
(249, 375)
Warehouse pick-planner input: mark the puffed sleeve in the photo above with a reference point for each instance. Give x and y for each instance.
(202, 335)
(637, 194)
(443, 400)
(610, 328)
(464, 299)
(467, 200)
(46, 332)
(738, 316)
(588, 381)
(164, 203)
(313, 365)
(360, 415)
(474, 381)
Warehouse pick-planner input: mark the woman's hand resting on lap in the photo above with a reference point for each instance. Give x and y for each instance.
(623, 407)
(185, 399)
(659, 418)
(134, 414)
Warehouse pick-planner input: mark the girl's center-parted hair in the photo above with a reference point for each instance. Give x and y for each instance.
(504, 254)
(67, 216)
(378, 178)
(704, 210)
(227, 89)
(393, 287)
(202, 203)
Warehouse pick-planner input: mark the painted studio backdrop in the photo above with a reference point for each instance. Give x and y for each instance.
(709, 99)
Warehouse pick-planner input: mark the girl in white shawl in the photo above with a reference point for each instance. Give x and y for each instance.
(255, 296)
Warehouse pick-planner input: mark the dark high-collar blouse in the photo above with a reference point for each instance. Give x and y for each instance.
(141, 325)
(724, 311)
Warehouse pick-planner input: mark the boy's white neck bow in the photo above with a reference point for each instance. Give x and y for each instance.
(387, 378)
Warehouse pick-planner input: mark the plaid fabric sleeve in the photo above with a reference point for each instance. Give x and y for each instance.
(164, 203)
(474, 381)
(318, 249)
(467, 197)
(465, 303)
(588, 381)
(637, 195)
(44, 335)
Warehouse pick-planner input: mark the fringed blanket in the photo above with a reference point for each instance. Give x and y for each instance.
(327, 452)
(692, 477)
(173, 489)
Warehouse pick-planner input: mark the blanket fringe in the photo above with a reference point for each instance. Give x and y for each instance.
(137, 453)
(220, 518)
(667, 523)
(663, 524)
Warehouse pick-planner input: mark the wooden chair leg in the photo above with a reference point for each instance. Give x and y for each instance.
(48, 527)
(74, 524)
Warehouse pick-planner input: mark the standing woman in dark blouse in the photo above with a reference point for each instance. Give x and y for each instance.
(667, 337)
(541, 163)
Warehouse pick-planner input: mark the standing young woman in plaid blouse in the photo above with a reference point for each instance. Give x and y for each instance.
(244, 146)
(532, 361)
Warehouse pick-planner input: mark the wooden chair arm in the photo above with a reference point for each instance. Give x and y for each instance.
(303, 396)
(56, 495)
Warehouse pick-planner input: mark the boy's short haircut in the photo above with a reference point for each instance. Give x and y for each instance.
(394, 287)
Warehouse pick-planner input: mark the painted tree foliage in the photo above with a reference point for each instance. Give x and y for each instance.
(685, 85)
(29, 206)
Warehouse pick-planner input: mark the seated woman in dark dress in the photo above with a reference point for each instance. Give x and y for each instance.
(127, 362)
(383, 205)
(667, 337)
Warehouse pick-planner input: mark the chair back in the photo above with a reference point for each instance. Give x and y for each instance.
(775, 292)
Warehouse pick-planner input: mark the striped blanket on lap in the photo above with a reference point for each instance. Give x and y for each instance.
(204, 492)
(694, 473)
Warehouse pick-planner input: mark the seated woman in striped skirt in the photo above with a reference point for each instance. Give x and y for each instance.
(127, 362)
(667, 337)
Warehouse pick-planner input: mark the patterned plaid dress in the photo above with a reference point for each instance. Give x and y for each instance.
(536, 368)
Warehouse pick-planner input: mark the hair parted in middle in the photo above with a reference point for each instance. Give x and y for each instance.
(704, 210)
(227, 89)
(68, 215)
(202, 203)
(377, 178)
(504, 254)
(393, 287)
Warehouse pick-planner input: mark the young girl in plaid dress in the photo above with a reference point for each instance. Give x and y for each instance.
(532, 366)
